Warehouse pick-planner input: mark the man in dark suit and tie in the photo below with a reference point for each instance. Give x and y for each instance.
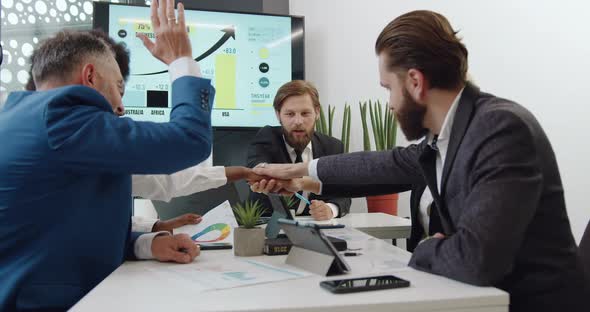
(297, 107)
(487, 204)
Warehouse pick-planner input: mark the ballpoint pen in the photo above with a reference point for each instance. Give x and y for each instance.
(302, 198)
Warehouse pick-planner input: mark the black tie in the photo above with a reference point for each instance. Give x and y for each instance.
(434, 225)
(298, 158)
(296, 201)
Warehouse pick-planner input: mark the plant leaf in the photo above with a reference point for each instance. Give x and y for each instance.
(366, 139)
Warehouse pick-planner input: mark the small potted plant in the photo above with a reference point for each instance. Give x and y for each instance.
(248, 238)
(384, 127)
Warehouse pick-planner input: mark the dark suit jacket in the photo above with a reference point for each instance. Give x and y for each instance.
(269, 146)
(65, 189)
(501, 205)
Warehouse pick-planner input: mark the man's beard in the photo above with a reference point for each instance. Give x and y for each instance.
(410, 116)
(298, 143)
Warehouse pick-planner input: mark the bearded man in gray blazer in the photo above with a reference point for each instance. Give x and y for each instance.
(492, 212)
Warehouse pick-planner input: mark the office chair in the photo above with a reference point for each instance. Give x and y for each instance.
(198, 203)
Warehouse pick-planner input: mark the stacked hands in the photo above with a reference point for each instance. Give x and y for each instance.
(284, 179)
(287, 179)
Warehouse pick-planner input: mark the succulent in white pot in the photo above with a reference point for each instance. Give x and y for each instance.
(248, 238)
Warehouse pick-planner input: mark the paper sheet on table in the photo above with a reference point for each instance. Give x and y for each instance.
(230, 273)
(217, 226)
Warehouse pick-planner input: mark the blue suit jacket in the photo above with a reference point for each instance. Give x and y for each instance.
(65, 189)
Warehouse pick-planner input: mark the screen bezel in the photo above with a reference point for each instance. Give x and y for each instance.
(101, 21)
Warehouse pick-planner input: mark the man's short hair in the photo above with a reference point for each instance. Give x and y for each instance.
(61, 54)
(424, 40)
(296, 88)
(121, 56)
(121, 51)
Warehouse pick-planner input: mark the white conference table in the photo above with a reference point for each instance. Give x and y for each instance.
(377, 224)
(144, 286)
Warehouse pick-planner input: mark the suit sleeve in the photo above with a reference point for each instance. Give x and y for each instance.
(342, 201)
(370, 173)
(87, 137)
(130, 245)
(505, 185)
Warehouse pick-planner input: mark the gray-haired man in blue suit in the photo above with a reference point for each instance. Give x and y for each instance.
(67, 160)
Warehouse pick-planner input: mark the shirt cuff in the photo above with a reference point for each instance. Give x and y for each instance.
(334, 208)
(141, 224)
(184, 66)
(312, 170)
(143, 245)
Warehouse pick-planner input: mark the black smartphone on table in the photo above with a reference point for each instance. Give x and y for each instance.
(343, 286)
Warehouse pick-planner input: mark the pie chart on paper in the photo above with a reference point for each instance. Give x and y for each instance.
(213, 233)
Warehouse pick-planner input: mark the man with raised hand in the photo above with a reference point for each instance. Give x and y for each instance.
(67, 161)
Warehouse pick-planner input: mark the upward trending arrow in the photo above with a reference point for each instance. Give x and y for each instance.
(229, 32)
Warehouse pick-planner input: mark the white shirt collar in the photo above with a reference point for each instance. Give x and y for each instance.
(447, 125)
(307, 150)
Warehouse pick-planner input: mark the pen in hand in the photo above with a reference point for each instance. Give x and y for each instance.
(302, 198)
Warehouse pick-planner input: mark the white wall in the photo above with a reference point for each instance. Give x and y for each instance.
(534, 52)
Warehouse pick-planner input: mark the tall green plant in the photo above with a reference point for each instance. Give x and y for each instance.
(248, 214)
(345, 136)
(324, 125)
(383, 123)
(366, 139)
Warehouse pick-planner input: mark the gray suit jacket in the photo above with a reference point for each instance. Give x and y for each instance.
(501, 205)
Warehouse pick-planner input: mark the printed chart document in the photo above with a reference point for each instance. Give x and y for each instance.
(229, 273)
(217, 226)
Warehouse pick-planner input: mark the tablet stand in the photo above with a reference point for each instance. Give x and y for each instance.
(312, 261)
(272, 227)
